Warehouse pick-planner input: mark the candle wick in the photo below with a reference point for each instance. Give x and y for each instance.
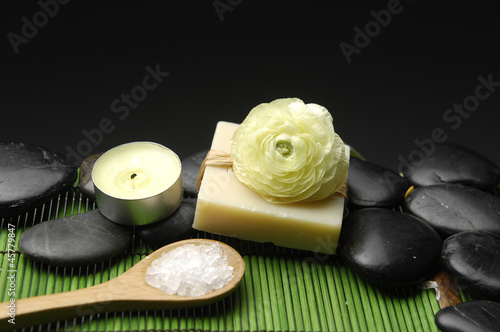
(133, 176)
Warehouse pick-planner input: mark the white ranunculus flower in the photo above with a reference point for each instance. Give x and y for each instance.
(288, 151)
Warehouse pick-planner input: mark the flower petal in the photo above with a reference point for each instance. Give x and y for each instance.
(288, 151)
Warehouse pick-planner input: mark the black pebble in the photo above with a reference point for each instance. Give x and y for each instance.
(371, 185)
(86, 184)
(453, 163)
(388, 247)
(454, 208)
(472, 316)
(30, 175)
(82, 239)
(473, 260)
(190, 170)
(177, 226)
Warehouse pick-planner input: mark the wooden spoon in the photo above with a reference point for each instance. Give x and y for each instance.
(129, 291)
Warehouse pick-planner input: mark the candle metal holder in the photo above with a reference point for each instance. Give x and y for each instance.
(131, 187)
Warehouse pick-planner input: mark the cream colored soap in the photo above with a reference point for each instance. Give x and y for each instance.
(227, 207)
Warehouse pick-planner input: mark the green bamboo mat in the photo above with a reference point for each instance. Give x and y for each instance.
(282, 289)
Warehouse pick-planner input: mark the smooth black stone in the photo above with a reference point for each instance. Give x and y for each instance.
(454, 208)
(471, 316)
(85, 182)
(452, 163)
(190, 170)
(371, 185)
(178, 226)
(473, 260)
(82, 239)
(30, 175)
(389, 248)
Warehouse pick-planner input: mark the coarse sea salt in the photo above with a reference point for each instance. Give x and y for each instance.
(190, 270)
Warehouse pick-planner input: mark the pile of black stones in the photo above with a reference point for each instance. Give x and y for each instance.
(31, 175)
(442, 214)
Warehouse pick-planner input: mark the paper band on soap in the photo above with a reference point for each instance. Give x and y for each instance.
(219, 158)
(213, 158)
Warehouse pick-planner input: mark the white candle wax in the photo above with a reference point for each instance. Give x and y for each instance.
(138, 183)
(136, 170)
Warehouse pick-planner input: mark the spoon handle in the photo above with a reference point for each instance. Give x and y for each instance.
(128, 291)
(60, 306)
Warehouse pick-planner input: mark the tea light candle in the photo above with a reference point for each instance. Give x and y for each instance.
(138, 183)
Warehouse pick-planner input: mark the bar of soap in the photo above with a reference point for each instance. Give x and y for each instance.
(227, 207)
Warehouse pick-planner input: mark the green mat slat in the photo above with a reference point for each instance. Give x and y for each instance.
(339, 317)
(371, 312)
(224, 323)
(153, 321)
(218, 320)
(427, 314)
(20, 272)
(3, 278)
(25, 271)
(247, 311)
(386, 302)
(177, 322)
(287, 295)
(274, 298)
(355, 320)
(201, 322)
(313, 289)
(297, 296)
(4, 236)
(210, 322)
(378, 300)
(427, 317)
(380, 314)
(423, 312)
(164, 321)
(464, 296)
(305, 300)
(397, 312)
(279, 304)
(414, 314)
(321, 293)
(405, 311)
(267, 293)
(343, 299)
(257, 299)
(4, 281)
(418, 313)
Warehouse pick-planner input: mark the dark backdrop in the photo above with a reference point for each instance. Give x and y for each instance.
(67, 68)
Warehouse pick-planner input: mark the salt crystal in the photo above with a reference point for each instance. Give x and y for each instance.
(190, 270)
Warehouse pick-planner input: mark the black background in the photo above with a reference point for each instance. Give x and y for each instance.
(63, 81)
